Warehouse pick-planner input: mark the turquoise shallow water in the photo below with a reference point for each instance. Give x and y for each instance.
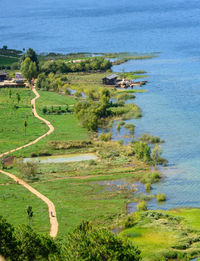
(171, 108)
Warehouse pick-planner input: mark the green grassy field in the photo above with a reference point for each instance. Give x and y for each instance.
(78, 200)
(173, 235)
(190, 215)
(12, 117)
(12, 133)
(85, 81)
(151, 240)
(14, 200)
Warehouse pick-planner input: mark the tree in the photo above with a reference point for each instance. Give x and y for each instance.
(98, 244)
(28, 170)
(5, 47)
(18, 97)
(8, 242)
(34, 246)
(43, 82)
(156, 156)
(87, 114)
(30, 53)
(85, 243)
(29, 213)
(142, 151)
(10, 93)
(3, 162)
(29, 69)
(25, 126)
(50, 67)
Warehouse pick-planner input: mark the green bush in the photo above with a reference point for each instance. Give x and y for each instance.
(44, 109)
(85, 65)
(130, 127)
(105, 136)
(170, 254)
(142, 206)
(131, 221)
(150, 139)
(120, 142)
(181, 246)
(28, 170)
(34, 155)
(142, 151)
(148, 186)
(161, 197)
(125, 96)
(78, 94)
(92, 162)
(118, 127)
(71, 144)
(155, 177)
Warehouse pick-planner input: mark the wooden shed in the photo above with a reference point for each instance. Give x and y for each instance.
(110, 79)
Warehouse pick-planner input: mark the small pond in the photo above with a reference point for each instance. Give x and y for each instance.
(62, 158)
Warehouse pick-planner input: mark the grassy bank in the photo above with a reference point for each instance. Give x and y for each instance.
(165, 235)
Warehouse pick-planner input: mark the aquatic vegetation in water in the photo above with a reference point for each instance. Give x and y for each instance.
(161, 197)
(130, 127)
(105, 136)
(148, 187)
(150, 139)
(141, 206)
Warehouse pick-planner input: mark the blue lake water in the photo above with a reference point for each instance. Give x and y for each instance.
(171, 107)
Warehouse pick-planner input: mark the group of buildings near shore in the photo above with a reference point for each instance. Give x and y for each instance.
(112, 80)
(6, 81)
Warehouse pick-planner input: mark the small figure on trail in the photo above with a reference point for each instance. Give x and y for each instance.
(52, 214)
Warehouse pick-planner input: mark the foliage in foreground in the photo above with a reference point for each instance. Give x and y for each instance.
(85, 243)
(100, 244)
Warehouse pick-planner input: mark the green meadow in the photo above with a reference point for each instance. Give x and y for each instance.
(14, 113)
(165, 235)
(14, 201)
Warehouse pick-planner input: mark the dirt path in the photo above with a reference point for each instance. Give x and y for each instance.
(51, 207)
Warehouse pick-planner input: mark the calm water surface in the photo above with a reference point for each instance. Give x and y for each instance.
(171, 108)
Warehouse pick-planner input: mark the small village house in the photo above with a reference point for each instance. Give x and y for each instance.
(110, 79)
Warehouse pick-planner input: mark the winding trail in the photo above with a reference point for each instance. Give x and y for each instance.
(51, 207)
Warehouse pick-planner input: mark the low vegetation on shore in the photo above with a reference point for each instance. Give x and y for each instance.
(164, 235)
